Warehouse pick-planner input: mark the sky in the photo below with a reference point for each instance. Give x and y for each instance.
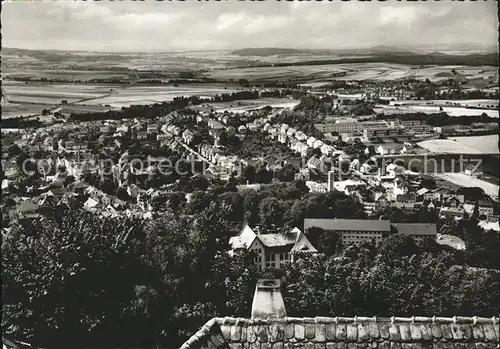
(152, 26)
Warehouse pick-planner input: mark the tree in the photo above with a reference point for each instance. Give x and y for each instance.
(64, 276)
(398, 245)
(327, 242)
(271, 212)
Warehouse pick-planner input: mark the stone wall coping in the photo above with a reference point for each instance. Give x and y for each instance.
(214, 325)
(358, 319)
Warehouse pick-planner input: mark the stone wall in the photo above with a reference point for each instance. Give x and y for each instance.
(347, 333)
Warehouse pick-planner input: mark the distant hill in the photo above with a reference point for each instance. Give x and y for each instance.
(273, 51)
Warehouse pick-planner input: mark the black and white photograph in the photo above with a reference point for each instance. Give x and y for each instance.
(250, 174)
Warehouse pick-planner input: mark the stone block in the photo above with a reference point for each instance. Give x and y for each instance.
(252, 332)
(477, 333)
(394, 333)
(404, 330)
(446, 331)
(275, 333)
(363, 332)
(373, 329)
(352, 332)
(235, 333)
(309, 331)
(341, 332)
(330, 332)
(489, 333)
(299, 332)
(384, 331)
(415, 332)
(226, 331)
(436, 331)
(289, 331)
(320, 333)
(425, 332)
(263, 338)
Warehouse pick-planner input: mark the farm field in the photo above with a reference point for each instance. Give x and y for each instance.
(12, 110)
(493, 103)
(464, 180)
(53, 94)
(243, 106)
(431, 109)
(353, 71)
(158, 94)
(487, 145)
(67, 74)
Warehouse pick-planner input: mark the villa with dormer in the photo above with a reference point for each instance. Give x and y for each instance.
(272, 249)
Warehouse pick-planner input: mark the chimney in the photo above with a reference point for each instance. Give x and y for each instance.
(267, 300)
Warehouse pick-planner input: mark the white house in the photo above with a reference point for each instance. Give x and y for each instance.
(272, 250)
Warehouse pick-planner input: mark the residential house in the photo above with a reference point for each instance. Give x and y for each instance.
(27, 209)
(91, 204)
(472, 170)
(353, 231)
(299, 147)
(301, 136)
(432, 196)
(142, 135)
(452, 200)
(214, 124)
(152, 129)
(315, 187)
(187, 136)
(418, 231)
(485, 208)
(406, 201)
(104, 130)
(272, 250)
(242, 187)
(282, 137)
(310, 141)
(304, 174)
(452, 212)
(349, 186)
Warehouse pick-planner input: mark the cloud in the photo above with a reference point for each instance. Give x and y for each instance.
(401, 16)
(228, 20)
(136, 26)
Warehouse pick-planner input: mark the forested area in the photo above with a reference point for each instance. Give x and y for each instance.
(75, 277)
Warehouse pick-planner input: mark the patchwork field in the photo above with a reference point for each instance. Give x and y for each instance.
(157, 94)
(320, 74)
(463, 145)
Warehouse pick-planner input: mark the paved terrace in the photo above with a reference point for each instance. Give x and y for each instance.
(347, 333)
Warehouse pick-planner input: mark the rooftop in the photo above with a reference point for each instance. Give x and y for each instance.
(348, 224)
(424, 229)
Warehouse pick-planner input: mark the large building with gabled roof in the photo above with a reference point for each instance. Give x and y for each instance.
(272, 249)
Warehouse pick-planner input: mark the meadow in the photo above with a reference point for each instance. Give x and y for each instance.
(463, 145)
